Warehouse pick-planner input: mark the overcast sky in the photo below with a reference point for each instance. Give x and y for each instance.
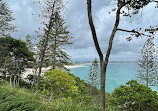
(76, 17)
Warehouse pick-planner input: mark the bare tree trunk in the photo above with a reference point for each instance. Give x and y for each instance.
(102, 85)
(103, 64)
(54, 56)
(44, 48)
(18, 80)
(147, 71)
(4, 73)
(34, 74)
(11, 79)
(14, 81)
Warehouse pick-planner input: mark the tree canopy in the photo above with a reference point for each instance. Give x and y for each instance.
(14, 57)
(6, 17)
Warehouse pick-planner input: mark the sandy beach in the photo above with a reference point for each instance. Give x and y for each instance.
(74, 66)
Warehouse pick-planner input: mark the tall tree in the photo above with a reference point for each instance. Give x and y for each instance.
(130, 5)
(6, 17)
(58, 38)
(93, 75)
(49, 11)
(28, 41)
(148, 63)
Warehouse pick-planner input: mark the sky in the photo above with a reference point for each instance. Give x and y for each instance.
(27, 22)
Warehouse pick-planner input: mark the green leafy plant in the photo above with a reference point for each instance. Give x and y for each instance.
(59, 83)
(135, 97)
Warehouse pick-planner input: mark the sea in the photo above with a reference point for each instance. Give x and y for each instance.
(118, 73)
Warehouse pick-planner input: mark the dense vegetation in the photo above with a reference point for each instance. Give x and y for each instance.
(13, 99)
(58, 90)
(130, 97)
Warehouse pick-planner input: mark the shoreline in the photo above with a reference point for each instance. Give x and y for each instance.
(75, 66)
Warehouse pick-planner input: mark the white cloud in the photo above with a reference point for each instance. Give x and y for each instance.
(76, 16)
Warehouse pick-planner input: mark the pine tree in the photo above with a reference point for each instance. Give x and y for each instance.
(50, 9)
(58, 38)
(28, 41)
(93, 76)
(6, 17)
(148, 65)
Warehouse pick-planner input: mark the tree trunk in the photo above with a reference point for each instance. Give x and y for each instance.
(103, 64)
(44, 49)
(4, 73)
(102, 85)
(11, 79)
(54, 56)
(14, 81)
(18, 80)
(147, 71)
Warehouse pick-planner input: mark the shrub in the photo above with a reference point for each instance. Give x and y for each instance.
(135, 97)
(59, 83)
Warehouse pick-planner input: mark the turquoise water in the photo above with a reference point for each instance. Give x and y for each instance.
(117, 74)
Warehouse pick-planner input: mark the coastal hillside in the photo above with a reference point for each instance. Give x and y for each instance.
(21, 99)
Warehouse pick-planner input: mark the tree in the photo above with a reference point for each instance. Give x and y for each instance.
(14, 59)
(30, 46)
(60, 83)
(58, 38)
(135, 97)
(49, 10)
(93, 76)
(28, 42)
(131, 5)
(147, 64)
(6, 17)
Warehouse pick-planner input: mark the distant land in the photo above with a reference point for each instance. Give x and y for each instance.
(76, 62)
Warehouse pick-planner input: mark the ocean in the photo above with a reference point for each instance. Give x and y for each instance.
(118, 73)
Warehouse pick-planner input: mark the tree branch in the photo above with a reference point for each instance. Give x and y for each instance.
(113, 33)
(89, 8)
(155, 1)
(132, 31)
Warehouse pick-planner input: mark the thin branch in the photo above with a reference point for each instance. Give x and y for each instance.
(132, 31)
(155, 1)
(113, 33)
(106, 5)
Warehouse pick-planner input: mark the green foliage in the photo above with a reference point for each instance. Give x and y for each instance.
(82, 86)
(16, 48)
(93, 77)
(58, 35)
(6, 17)
(135, 97)
(14, 58)
(59, 83)
(18, 99)
(14, 99)
(147, 64)
(80, 107)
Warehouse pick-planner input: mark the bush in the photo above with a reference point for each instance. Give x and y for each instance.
(135, 97)
(19, 99)
(59, 84)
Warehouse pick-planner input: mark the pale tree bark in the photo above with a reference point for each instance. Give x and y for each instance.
(54, 55)
(42, 56)
(103, 63)
(147, 71)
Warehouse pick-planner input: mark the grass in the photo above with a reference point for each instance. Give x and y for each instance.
(20, 99)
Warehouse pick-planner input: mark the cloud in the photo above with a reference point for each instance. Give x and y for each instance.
(25, 13)
(76, 17)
